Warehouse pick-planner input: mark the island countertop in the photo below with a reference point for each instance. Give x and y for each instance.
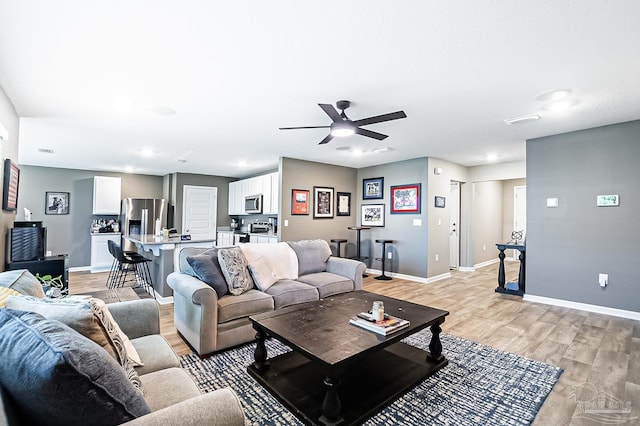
(150, 239)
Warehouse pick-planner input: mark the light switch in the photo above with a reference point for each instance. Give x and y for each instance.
(417, 222)
(286, 222)
(552, 202)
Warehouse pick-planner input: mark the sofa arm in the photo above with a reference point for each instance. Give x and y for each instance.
(220, 407)
(350, 268)
(195, 311)
(136, 318)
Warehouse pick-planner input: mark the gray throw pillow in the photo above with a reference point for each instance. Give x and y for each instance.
(235, 269)
(22, 281)
(206, 267)
(55, 376)
(312, 255)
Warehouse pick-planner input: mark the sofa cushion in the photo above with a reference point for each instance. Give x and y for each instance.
(235, 269)
(206, 267)
(168, 387)
(281, 256)
(312, 255)
(262, 273)
(184, 253)
(289, 292)
(56, 376)
(5, 293)
(328, 284)
(156, 353)
(249, 303)
(86, 315)
(22, 281)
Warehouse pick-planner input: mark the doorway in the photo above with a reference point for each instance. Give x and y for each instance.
(199, 211)
(454, 225)
(519, 213)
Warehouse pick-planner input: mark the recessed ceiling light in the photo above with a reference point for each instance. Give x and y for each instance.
(559, 106)
(532, 117)
(180, 161)
(146, 152)
(128, 169)
(242, 163)
(553, 95)
(46, 150)
(492, 157)
(383, 149)
(163, 110)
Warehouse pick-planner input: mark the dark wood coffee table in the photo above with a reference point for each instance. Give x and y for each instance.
(338, 373)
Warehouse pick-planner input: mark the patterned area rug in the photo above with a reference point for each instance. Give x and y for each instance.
(481, 385)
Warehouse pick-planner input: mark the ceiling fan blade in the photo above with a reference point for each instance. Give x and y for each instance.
(326, 140)
(370, 134)
(380, 118)
(305, 127)
(331, 112)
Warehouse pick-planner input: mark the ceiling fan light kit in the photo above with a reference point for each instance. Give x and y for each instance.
(342, 125)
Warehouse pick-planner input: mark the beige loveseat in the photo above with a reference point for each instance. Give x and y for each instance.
(302, 271)
(52, 374)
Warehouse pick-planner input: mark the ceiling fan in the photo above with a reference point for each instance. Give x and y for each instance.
(343, 126)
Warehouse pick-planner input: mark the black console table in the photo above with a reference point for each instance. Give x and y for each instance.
(358, 256)
(51, 265)
(521, 274)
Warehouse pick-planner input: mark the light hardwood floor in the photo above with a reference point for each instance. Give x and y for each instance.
(599, 350)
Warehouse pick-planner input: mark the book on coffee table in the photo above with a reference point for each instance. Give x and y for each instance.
(388, 325)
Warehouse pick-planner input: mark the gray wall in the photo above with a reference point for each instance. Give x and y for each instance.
(410, 247)
(8, 149)
(299, 174)
(569, 245)
(69, 234)
(487, 219)
(222, 183)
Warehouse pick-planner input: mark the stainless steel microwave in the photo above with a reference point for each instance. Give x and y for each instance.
(253, 204)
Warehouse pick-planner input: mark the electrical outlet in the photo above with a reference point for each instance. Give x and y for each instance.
(437, 258)
(484, 247)
(286, 222)
(242, 221)
(389, 255)
(439, 222)
(603, 280)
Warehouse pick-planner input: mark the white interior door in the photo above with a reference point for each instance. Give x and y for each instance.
(519, 212)
(454, 226)
(199, 210)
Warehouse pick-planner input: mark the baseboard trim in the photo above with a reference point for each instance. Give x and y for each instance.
(583, 307)
(486, 263)
(467, 268)
(168, 300)
(422, 280)
(80, 269)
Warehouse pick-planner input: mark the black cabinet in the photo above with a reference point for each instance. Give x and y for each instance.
(50, 265)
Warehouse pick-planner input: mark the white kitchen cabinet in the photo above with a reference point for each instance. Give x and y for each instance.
(263, 239)
(267, 185)
(225, 239)
(106, 195)
(101, 259)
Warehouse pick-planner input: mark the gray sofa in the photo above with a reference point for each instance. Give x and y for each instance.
(170, 394)
(302, 271)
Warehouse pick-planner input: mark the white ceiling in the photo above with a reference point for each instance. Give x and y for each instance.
(91, 80)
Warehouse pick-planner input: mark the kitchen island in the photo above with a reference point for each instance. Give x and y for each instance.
(163, 252)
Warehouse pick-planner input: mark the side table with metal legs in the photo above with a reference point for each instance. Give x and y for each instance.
(384, 243)
(358, 256)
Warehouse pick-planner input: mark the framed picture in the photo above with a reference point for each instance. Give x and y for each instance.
(343, 200)
(56, 203)
(608, 200)
(322, 202)
(372, 215)
(440, 202)
(10, 186)
(299, 201)
(373, 189)
(405, 198)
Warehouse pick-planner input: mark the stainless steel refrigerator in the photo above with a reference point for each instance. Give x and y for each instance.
(138, 217)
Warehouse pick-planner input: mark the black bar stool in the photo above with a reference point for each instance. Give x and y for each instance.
(123, 264)
(384, 243)
(338, 241)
